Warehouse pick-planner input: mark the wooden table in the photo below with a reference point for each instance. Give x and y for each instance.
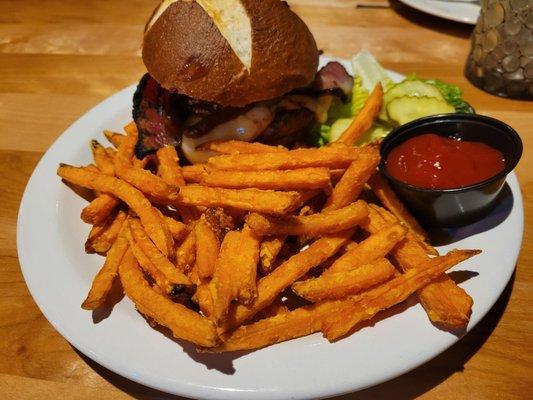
(59, 58)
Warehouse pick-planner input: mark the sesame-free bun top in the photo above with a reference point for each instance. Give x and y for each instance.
(231, 52)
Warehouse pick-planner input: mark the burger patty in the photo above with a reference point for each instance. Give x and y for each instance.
(163, 117)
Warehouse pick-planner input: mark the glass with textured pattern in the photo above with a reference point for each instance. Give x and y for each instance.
(501, 57)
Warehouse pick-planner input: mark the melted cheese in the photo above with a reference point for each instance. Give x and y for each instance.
(245, 127)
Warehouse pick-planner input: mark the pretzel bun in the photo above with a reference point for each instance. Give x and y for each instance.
(230, 52)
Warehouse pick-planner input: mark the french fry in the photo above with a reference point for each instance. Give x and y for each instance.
(149, 216)
(194, 173)
(184, 323)
(114, 138)
(161, 262)
(338, 285)
(368, 304)
(142, 179)
(102, 160)
(282, 277)
(364, 119)
(245, 270)
(445, 302)
(389, 199)
(207, 249)
(240, 147)
(186, 253)
(148, 266)
(103, 281)
(178, 230)
(235, 272)
(98, 210)
(329, 157)
(376, 246)
(169, 168)
(284, 326)
(204, 299)
(316, 224)
(103, 241)
(267, 201)
(336, 317)
(351, 184)
(297, 179)
(268, 253)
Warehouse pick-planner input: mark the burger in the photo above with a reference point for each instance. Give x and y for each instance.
(231, 70)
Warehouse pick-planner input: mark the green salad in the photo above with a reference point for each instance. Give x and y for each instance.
(404, 101)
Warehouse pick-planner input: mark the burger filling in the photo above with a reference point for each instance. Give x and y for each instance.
(167, 118)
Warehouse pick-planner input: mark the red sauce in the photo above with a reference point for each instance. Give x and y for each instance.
(436, 162)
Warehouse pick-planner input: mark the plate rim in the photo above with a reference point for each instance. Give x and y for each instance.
(429, 9)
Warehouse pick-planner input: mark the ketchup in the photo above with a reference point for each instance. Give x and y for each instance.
(436, 162)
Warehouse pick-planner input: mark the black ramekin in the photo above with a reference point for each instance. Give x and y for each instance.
(463, 205)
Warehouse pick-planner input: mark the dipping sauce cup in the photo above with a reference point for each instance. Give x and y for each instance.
(458, 206)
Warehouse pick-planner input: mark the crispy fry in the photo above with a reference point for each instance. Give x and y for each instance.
(315, 224)
(245, 269)
(368, 304)
(278, 328)
(240, 147)
(294, 268)
(445, 303)
(178, 230)
(330, 157)
(98, 210)
(194, 173)
(338, 285)
(376, 246)
(142, 179)
(103, 241)
(102, 160)
(351, 184)
(186, 253)
(173, 274)
(364, 119)
(331, 316)
(235, 272)
(389, 199)
(149, 216)
(204, 298)
(184, 323)
(169, 168)
(148, 266)
(372, 248)
(114, 138)
(268, 253)
(207, 248)
(103, 281)
(297, 179)
(267, 201)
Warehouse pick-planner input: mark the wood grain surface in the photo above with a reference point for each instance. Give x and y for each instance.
(58, 58)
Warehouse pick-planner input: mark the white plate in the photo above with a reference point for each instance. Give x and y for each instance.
(453, 10)
(58, 273)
